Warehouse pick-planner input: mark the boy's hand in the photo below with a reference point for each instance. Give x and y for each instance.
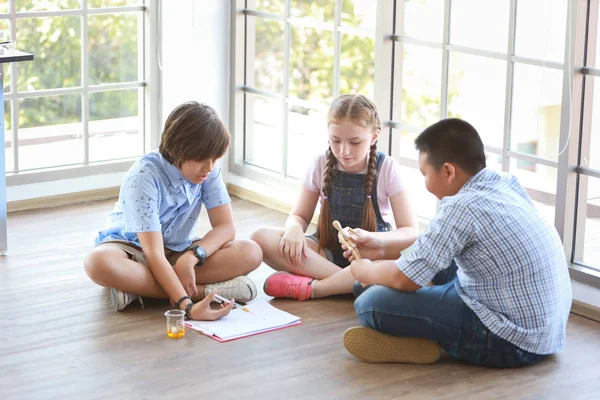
(361, 270)
(368, 246)
(202, 311)
(292, 246)
(184, 268)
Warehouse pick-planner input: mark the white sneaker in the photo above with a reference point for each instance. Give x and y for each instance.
(240, 288)
(121, 299)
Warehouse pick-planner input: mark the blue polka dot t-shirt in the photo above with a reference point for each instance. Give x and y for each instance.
(155, 197)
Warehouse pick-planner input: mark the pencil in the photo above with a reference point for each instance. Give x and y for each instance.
(235, 304)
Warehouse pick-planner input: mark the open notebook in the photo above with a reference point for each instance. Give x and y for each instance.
(262, 317)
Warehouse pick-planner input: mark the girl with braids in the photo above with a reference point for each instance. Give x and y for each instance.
(356, 185)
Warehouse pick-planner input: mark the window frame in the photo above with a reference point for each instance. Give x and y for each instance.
(581, 14)
(241, 82)
(148, 102)
(584, 32)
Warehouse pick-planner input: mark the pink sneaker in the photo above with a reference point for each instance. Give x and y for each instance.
(286, 285)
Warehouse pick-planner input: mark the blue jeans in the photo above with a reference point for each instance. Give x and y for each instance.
(438, 313)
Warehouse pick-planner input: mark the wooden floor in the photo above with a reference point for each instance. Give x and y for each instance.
(61, 340)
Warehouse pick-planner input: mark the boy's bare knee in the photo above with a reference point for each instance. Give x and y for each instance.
(251, 251)
(95, 266)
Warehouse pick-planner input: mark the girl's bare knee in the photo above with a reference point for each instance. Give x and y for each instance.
(266, 237)
(259, 236)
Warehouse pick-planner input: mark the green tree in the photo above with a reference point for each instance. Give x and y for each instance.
(56, 43)
(312, 54)
(311, 58)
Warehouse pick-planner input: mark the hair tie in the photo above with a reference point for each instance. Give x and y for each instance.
(324, 197)
(368, 197)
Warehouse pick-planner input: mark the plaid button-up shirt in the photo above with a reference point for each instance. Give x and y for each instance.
(512, 270)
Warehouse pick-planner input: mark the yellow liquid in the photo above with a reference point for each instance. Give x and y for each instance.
(176, 334)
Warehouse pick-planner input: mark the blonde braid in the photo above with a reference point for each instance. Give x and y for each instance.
(369, 219)
(326, 218)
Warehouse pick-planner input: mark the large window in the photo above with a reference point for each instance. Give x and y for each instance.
(82, 101)
(586, 226)
(506, 80)
(508, 67)
(298, 56)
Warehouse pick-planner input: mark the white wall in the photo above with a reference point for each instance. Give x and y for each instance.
(195, 56)
(196, 66)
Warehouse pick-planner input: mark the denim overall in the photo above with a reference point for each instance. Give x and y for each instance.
(347, 199)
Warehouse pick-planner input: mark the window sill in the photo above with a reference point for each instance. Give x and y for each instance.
(67, 172)
(586, 291)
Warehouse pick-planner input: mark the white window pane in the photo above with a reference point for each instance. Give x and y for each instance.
(311, 64)
(56, 43)
(6, 68)
(264, 133)
(317, 10)
(489, 19)
(423, 203)
(403, 145)
(50, 132)
(476, 93)
(5, 29)
(113, 57)
(537, 97)
(112, 3)
(273, 6)
(493, 161)
(591, 155)
(46, 5)
(540, 183)
(597, 65)
(357, 65)
(589, 231)
(421, 82)
(360, 14)
(268, 55)
(424, 19)
(9, 160)
(116, 126)
(4, 7)
(307, 137)
(541, 29)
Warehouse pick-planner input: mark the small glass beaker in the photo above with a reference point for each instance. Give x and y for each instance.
(175, 326)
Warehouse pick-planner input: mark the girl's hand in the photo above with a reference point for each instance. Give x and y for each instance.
(292, 246)
(184, 268)
(367, 244)
(202, 311)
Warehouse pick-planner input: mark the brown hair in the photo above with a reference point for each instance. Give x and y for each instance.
(362, 111)
(193, 132)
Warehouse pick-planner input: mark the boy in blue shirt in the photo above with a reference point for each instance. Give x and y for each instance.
(487, 282)
(148, 248)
